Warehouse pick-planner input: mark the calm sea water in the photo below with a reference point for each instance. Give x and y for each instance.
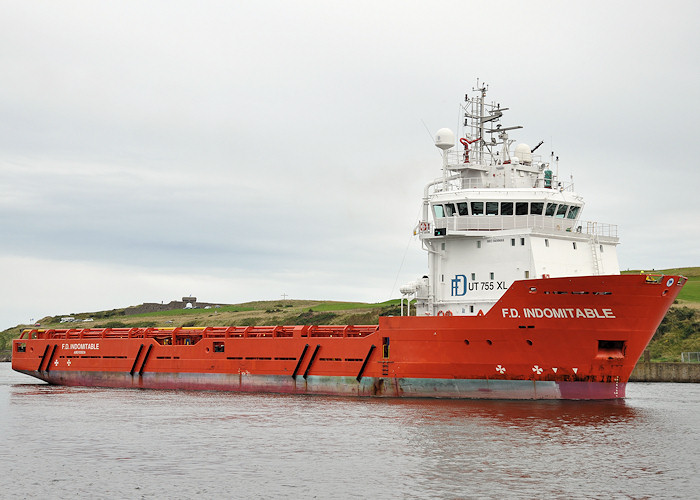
(62, 442)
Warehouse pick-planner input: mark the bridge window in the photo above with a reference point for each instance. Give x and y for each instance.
(561, 211)
(473, 276)
(574, 244)
(477, 208)
(512, 242)
(491, 208)
(573, 212)
(522, 241)
(449, 209)
(551, 209)
(536, 208)
(439, 211)
(521, 208)
(546, 242)
(462, 207)
(507, 208)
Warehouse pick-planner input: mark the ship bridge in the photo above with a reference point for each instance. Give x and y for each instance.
(499, 214)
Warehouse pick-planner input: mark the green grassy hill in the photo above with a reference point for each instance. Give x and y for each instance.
(679, 332)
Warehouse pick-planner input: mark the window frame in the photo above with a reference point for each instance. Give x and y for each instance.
(489, 208)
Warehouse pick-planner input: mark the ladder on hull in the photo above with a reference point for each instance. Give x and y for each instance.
(595, 254)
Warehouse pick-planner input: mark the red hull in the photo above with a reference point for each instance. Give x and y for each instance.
(561, 338)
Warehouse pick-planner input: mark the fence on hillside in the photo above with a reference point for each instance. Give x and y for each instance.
(690, 357)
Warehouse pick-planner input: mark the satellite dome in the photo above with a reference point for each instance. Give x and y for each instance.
(445, 138)
(522, 152)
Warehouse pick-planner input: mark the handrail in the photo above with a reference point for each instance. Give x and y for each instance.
(538, 222)
(214, 332)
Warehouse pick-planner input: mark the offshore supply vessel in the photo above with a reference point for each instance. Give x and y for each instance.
(522, 300)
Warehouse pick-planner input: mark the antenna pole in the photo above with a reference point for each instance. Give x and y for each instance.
(480, 103)
(444, 170)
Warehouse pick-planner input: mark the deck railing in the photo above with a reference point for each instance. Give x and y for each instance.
(216, 332)
(536, 222)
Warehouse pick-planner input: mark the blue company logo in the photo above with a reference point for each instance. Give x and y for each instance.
(459, 285)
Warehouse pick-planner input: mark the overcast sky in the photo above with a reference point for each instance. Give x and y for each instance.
(239, 151)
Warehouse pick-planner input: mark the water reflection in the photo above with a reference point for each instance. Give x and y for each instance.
(520, 413)
(416, 411)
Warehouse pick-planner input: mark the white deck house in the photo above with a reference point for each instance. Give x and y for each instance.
(499, 215)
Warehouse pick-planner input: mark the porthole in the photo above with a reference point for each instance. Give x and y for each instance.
(466, 341)
(529, 342)
(489, 342)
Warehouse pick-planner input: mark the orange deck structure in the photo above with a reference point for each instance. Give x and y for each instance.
(556, 338)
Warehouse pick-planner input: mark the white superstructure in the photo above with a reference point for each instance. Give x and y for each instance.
(499, 214)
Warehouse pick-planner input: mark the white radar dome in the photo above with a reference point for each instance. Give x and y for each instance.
(445, 138)
(522, 152)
